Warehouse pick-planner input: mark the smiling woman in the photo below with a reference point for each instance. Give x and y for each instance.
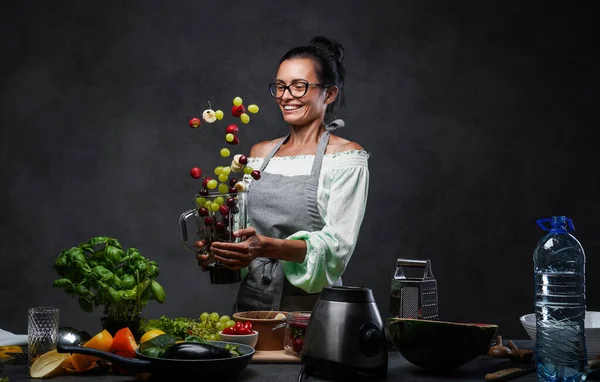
(305, 213)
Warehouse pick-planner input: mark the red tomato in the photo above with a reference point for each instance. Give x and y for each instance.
(239, 325)
(244, 331)
(248, 325)
(124, 343)
(230, 330)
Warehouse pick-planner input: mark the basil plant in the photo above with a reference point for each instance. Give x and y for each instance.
(102, 273)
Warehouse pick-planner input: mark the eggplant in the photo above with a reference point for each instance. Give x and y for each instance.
(194, 350)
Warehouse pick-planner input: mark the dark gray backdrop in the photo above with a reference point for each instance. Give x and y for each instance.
(478, 116)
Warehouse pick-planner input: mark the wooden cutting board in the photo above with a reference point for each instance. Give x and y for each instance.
(273, 356)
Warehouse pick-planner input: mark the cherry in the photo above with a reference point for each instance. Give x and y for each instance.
(220, 226)
(195, 172)
(231, 201)
(203, 211)
(207, 221)
(255, 174)
(233, 129)
(232, 182)
(195, 122)
(236, 111)
(205, 181)
(224, 210)
(243, 159)
(233, 190)
(203, 192)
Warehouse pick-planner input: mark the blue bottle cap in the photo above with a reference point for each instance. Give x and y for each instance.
(560, 224)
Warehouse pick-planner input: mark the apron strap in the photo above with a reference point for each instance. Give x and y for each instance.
(318, 161)
(273, 151)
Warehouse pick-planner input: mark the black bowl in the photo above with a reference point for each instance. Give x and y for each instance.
(440, 345)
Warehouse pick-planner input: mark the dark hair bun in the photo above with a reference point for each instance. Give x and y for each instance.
(324, 44)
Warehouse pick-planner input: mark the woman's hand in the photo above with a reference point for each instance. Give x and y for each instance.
(236, 256)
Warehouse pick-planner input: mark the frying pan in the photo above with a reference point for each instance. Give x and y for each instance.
(163, 366)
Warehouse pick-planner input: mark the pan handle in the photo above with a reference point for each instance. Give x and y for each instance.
(132, 364)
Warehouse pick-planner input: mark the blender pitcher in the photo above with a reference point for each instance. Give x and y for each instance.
(216, 217)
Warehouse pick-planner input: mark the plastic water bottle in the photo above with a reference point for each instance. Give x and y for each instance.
(559, 268)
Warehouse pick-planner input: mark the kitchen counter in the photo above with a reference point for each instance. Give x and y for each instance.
(398, 370)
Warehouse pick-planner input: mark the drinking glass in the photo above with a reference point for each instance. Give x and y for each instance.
(42, 331)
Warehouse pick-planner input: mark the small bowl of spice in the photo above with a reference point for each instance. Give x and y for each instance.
(295, 330)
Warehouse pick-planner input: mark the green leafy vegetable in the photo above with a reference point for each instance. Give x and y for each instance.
(101, 273)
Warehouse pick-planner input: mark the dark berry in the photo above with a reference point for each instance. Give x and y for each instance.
(203, 211)
(203, 192)
(255, 174)
(232, 182)
(233, 190)
(207, 221)
(297, 344)
(243, 159)
(231, 201)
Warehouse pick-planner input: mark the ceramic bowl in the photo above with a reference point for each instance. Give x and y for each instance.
(246, 339)
(264, 322)
(592, 331)
(439, 345)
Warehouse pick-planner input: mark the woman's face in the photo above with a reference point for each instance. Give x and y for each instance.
(301, 111)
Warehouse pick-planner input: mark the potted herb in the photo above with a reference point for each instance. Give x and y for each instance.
(101, 273)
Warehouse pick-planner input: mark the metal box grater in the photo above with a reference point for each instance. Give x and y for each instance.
(414, 297)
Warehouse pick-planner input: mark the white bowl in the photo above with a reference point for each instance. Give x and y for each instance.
(246, 339)
(592, 331)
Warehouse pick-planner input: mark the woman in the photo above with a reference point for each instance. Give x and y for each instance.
(305, 212)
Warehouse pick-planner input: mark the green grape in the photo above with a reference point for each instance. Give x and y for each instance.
(218, 170)
(237, 101)
(247, 170)
(212, 337)
(214, 207)
(226, 170)
(200, 202)
(219, 326)
(219, 200)
(229, 137)
(225, 152)
(219, 114)
(212, 184)
(252, 109)
(245, 118)
(223, 188)
(224, 319)
(207, 204)
(223, 178)
(202, 324)
(230, 324)
(214, 317)
(217, 337)
(204, 316)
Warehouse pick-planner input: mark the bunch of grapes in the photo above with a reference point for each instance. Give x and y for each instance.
(210, 325)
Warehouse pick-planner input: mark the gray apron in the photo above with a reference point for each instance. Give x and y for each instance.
(280, 206)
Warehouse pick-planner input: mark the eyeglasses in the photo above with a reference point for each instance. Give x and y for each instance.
(296, 89)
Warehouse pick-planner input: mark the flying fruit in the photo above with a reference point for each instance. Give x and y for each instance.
(194, 123)
(232, 129)
(237, 101)
(255, 174)
(242, 159)
(253, 109)
(195, 172)
(229, 137)
(225, 152)
(209, 115)
(238, 110)
(245, 118)
(219, 114)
